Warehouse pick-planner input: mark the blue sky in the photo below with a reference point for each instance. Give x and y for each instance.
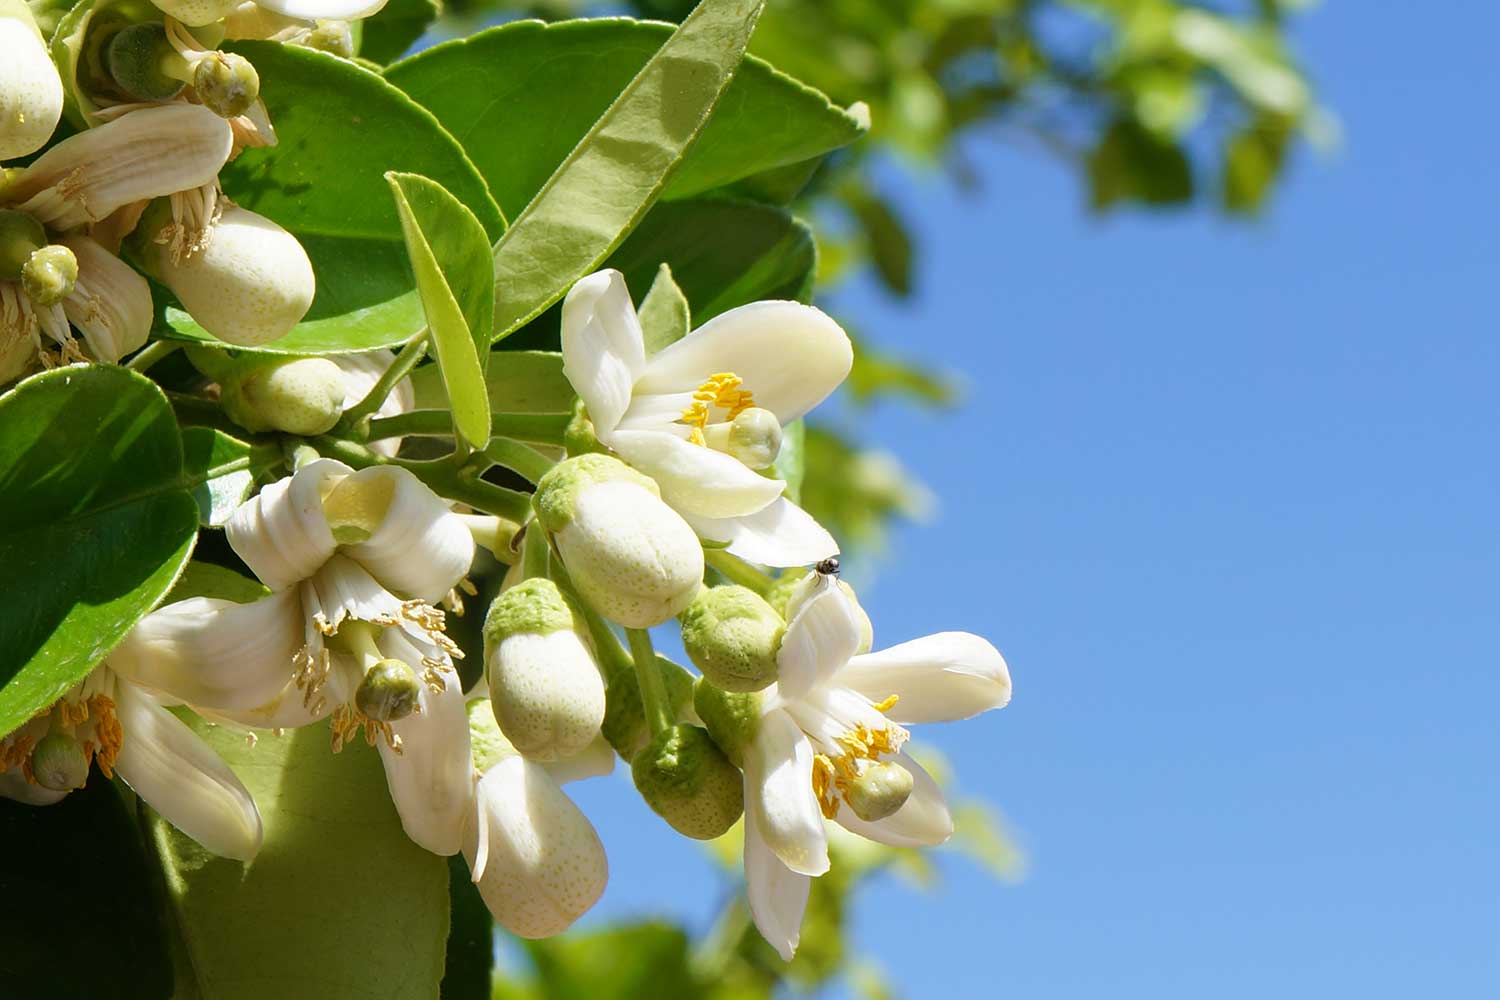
(1225, 496)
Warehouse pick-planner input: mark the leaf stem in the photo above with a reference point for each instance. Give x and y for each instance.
(399, 368)
(648, 673)
(738, 571)
(151, 354)
(613, 658)
(537, 428)
(445, 479)
(519, 458)
(534, 552)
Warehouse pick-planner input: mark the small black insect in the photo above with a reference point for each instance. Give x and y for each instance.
(828, 567)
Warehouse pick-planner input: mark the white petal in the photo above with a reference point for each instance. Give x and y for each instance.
(791, 356)
(215, 654)
(543, 864)
(281, 532)
(694, 479)
(420, 549)
(593, 761)
(602, 345)
(937, 678)
(14, 786)
(145, 153)
(431, 778)
(781, 534)
(822, 636)
(923, 821)
(777, 895)
(342, 588)
(31, 92)
(110, 302)
(778, 774)
(323, 10)
(180, 777)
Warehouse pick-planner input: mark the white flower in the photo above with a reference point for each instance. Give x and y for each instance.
(109, 720)
(694, 414)
(535, 856)
(356, 562)
(829, 743)
(31, 92)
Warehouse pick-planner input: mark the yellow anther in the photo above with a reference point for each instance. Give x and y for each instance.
(721, 390)
(888, 704)
(108, 731)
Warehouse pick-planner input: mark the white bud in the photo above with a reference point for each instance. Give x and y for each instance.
(633, 558)
(249, 286)
(302, 396)
(31, 92)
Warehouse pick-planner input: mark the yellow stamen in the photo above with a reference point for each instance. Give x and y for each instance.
(888, 704)
(722, 390)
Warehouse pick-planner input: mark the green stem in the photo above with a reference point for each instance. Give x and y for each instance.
(401, 367)
(519, 458)
(151, 354)
(738, 571)
(648, 673)
(613, 657)
(442, 476)
(538, 428)
(196, 411)
(534, 552)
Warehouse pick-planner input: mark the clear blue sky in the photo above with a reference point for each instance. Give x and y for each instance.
(1226, 498)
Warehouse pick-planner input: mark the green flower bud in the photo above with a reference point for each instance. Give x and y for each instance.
(226, 83)
(20, 237)
(732, 635)
(486, 742)
(332, 37)
(59, 763)
(49, 274)
(301, 396)
(753, 437)
(139, 59)
(631, 557)
(689, 783)
(545, 688)
(879, 791)
(389, 691)
(732, 719)
(625, 724)
(578, 437)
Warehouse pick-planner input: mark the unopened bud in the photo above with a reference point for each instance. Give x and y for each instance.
(226, 83)
(732, 719)
(633, 558)
(879, 791)
(59, 763)
(389, 692)
(545, 688)
(625, 725)
(31, 92)
(753, 437)
(301, 396)
(732, 635)
(49, 274)
(250, 285)
(20, 237)
(689, 782)
(139, 57)
(332, 37)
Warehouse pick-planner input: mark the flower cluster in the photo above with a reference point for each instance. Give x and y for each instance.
(667, 493)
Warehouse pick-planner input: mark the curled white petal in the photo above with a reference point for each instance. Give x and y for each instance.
(603, 347)
(431, 778)
(180, 777)
(781, 534)
(14, 786)
(323, 10)
(420, 549)
(778, 774)
(822, 636)
(777, 895)
(281, 532)
(924, 821)
(110, 302)
(937, 678)
(694, 479)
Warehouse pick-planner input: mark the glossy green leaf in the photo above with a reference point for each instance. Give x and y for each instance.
(723, 253)
(224, 470)
(202, 579)
(339, 129)
(621, 963)
(338, 900)
(95, 524)
(516, 381)
(609, 180)
(521, 96)
(81, 920)
(393, 29)
(450, 259)
(665, 314)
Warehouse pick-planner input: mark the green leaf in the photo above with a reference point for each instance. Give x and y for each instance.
(95, 524)
(619, 168)
(1252, 162)
(339, 129)
(225, 470)
(665, 315)
(885, 235)
(393, 29)
(338, 901)
(622, 963)
(450, 258)
(723, 253)
(201, 579)
(516, 381)
(1132, 164)
(471, 938)
(520, 98)
(81, 920)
